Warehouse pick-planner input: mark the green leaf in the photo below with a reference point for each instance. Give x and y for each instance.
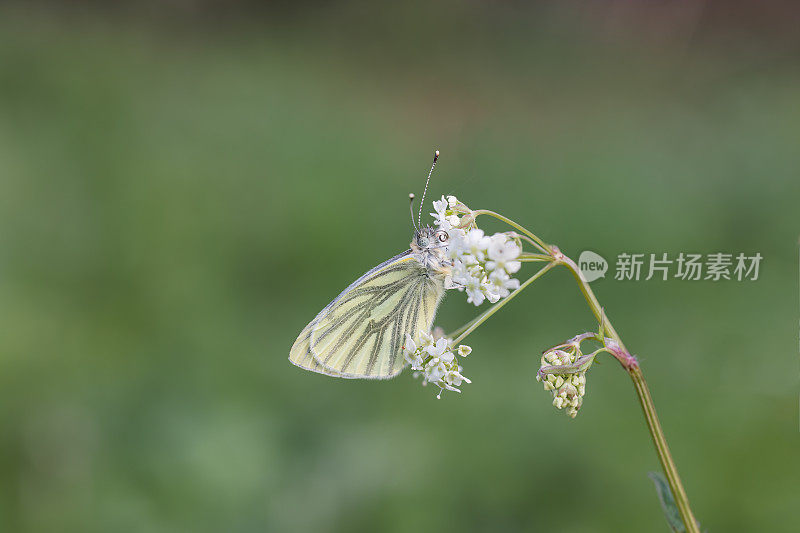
(671, 512)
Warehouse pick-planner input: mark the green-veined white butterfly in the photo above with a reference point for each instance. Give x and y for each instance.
(360, 334)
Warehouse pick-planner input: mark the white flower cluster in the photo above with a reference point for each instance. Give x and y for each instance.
(568, 388)
(447, 211)
(482, 265)
(436, 361)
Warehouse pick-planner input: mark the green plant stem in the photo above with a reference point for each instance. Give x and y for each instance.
(529, 258)
(619, 351)
(480, 319)
(645, 400)
(544, 247)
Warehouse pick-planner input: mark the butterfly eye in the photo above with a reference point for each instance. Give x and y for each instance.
(443, 236)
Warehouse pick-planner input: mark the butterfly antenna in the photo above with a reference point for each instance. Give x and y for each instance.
(422, 203)
(411, 208)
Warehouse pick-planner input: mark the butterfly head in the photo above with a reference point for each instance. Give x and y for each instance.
(429, 246)
(428, 238)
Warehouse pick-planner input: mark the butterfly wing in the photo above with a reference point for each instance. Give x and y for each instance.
(360, 334)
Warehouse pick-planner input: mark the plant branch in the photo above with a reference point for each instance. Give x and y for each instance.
(480, 319)
(613, 345)
(630, 363)
(539, 243)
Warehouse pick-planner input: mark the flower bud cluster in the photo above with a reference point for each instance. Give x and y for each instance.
(436, 361)
(568, 388)
(482, 265)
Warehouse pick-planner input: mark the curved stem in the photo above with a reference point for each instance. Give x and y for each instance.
(616, 347)
(537, 241)
(528, 240)
(480, 319)
(591, 299)
(630, 364)
(528, 257)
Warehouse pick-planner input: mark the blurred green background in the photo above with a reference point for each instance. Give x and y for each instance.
(184, 185)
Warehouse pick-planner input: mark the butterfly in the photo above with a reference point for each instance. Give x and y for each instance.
(360, 334)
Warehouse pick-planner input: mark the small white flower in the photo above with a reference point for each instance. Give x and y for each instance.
(447, 357)
(435, 371)
(489, 291)
(436, 350)
(459, 275)
(453, 379)
(415, 360)
(464, 350)
(440, 206)
(474, 291)
(452, 201)
(501, 283)
(410, 346)
(503, 253)
(455, 244)
(425, 340)
(476, 243)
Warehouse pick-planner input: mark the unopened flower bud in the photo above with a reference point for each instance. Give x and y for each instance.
(568, 385)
